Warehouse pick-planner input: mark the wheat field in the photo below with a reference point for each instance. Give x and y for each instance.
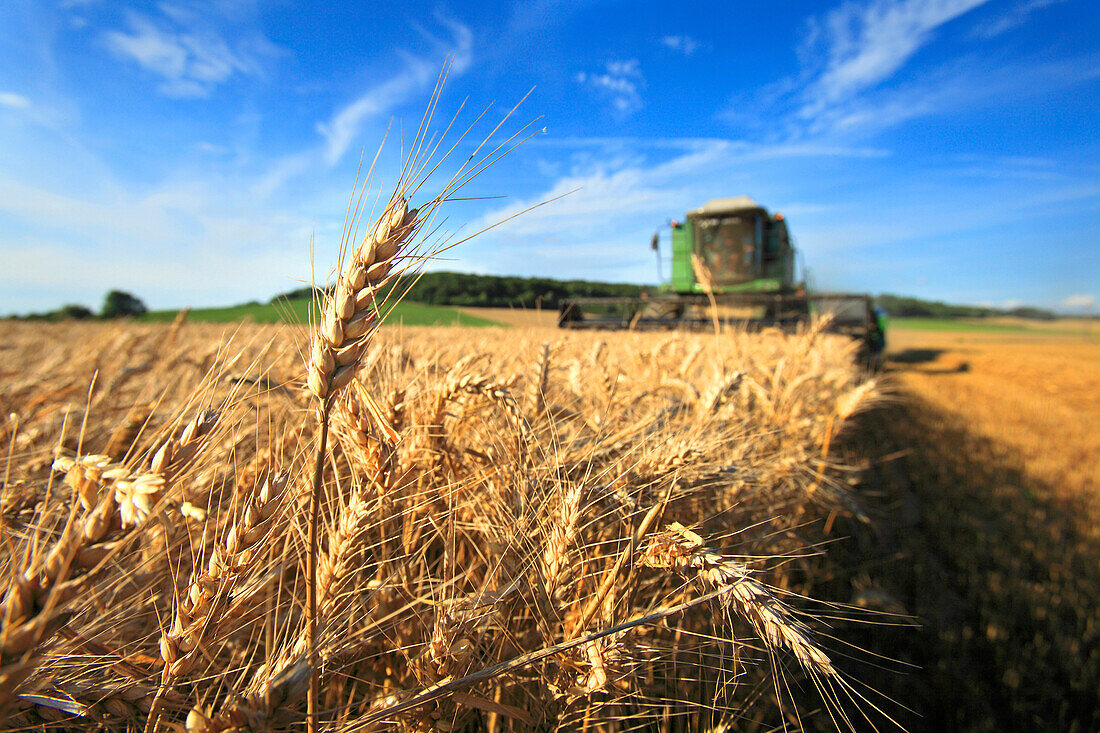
(517, 529)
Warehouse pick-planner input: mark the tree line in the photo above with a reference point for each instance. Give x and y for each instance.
(463, 289)
(494, 291)
(907, 307)
(116, 304)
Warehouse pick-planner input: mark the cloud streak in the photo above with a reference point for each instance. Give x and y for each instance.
(11, 100)
(341, 130)
(1079, 302)
(850, 83)
(190, 58)
(681, 44)
(1012, 19)
(863, 45)
(620, 83)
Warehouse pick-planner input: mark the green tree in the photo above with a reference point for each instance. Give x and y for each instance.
(74, 312)
(118, 304)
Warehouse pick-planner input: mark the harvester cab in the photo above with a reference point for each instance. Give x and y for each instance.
(732, 245)
(734, 263)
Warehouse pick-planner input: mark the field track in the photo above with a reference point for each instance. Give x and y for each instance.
(987, 533)
(516, 317)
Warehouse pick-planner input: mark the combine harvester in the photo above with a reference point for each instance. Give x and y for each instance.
(734, 263)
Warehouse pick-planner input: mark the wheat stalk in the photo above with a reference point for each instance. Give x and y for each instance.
(536, 387)
(31, 609)
(203, 606)
(562, 534)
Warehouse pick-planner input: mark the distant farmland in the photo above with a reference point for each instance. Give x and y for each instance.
(296, 311)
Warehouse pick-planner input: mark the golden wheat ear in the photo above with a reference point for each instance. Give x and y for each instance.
(351, 314)
(682, 550)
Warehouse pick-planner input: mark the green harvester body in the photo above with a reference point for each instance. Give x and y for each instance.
(733, 263)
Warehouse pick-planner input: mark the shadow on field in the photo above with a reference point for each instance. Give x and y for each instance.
(1002, 574)
(915, 356)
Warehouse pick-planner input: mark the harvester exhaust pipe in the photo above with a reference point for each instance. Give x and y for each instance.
(654, 245)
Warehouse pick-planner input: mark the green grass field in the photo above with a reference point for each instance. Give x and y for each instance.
(297, 311)
(979, 326)
(948, 324)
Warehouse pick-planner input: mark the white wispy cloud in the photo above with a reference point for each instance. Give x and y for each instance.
(1081, 302)
(210, 148)
(188, 234)
(683, 44)
(341, 130)
(189, 55)
(863, 45)
(954, 86)
(344, 126)
(283, 169)
(181, 241)
(1012, 19)
(621, 83)
(619, 192)
(850, 83)
(613, 184)
(14, 101)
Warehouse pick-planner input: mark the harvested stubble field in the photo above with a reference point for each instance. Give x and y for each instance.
(520, 529)
(987, 458)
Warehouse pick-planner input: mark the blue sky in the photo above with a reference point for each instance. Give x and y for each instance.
(188, 152)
